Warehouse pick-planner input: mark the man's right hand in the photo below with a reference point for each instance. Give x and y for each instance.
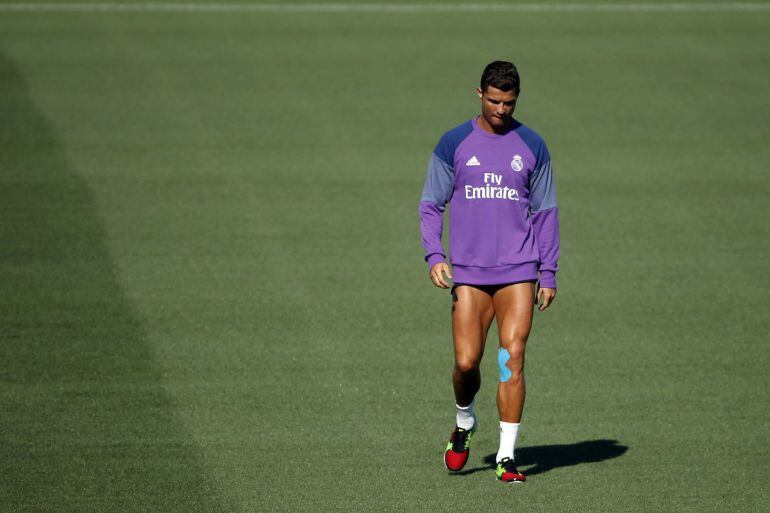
(437, 273)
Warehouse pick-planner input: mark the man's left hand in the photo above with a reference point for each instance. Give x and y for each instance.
(545, 297)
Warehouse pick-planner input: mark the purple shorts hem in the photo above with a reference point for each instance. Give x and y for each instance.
(494, 275)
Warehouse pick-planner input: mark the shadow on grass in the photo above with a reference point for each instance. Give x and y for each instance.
(85, 424)
(542, 458)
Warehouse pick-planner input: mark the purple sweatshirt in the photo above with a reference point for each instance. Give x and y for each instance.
(503, 218)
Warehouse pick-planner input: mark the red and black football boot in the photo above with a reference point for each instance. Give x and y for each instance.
(458, 448)
(507, 472)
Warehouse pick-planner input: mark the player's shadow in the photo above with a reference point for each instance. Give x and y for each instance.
(542, 458)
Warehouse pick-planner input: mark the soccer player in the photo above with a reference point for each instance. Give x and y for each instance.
(495, 173)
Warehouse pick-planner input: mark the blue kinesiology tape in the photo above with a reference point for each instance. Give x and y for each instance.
(502, 359)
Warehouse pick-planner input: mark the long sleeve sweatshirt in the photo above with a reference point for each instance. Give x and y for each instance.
(503, 217)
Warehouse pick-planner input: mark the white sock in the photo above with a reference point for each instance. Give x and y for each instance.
(508, 433)
(465, 416)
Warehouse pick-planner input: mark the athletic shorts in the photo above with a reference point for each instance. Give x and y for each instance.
(491, 289)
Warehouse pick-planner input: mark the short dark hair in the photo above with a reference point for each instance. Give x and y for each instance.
(500, 75)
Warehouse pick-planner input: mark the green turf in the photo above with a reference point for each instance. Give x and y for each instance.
(213, 297)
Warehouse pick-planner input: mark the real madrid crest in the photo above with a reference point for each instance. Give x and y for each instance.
(517, 164)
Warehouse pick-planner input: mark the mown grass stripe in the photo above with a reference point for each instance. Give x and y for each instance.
(117, 7)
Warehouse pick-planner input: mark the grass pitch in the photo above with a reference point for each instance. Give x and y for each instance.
(213, 297)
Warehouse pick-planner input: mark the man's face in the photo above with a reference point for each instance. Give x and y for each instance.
(497, 106)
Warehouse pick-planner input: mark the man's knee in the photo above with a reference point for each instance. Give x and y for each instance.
(466, 363)
(510, 358)
(514, 335)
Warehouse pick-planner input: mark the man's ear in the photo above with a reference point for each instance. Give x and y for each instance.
(479, 92)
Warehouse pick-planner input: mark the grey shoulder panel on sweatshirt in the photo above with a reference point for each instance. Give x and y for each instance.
(439, 182)
(542, 193)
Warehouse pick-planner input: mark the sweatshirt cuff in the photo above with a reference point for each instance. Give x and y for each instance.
(434, 259)
(547, 280)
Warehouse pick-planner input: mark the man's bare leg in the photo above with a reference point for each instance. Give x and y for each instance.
(513, 307)
(472, 314)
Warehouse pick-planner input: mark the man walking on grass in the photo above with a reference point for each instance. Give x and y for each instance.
(495, 174)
